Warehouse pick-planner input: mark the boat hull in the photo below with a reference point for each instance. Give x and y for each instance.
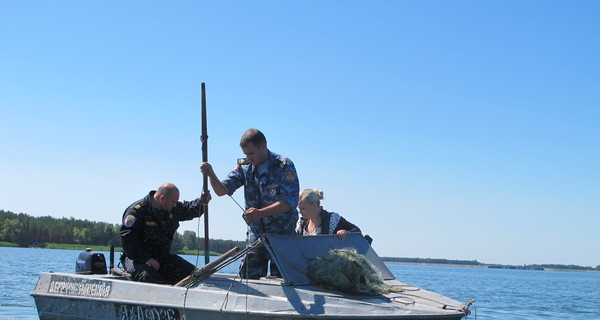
(72, 296)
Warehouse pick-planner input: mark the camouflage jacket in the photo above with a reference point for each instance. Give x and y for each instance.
(280, 182)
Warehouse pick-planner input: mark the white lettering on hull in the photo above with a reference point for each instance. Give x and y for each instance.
(132, 312)
(79, 287)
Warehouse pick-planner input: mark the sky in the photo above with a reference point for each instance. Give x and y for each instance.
(444, 129)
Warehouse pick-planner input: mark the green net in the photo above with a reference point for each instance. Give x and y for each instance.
(348, 271)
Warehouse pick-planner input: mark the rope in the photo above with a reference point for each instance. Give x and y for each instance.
(227, 262)
(206, 275)
(408, 301)
(244, 252)
(195, 266)
(246, 295)
(466, 310)
(408, 298)
(237, 203)
(464, 307)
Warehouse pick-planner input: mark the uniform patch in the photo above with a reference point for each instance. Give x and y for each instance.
(129, 221)
(290, 176)
(151, 224)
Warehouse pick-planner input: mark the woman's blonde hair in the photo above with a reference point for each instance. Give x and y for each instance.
(311, 195)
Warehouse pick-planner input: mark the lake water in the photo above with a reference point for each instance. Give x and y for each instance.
(499, 294)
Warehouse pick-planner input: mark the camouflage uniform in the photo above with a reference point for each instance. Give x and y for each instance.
(148, 232)
(280, 182)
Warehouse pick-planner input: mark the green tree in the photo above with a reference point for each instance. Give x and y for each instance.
(80, 235)
(177, 243)
(113, 234)
(10, 229)
(189, 240)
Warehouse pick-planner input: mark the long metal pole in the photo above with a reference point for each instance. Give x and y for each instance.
(204, 139)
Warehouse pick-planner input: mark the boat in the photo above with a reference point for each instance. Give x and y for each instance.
(214, 295)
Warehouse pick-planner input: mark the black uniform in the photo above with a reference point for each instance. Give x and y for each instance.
(147, 233)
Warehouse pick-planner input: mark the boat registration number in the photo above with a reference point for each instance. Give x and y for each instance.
(134, 312)
(79, 287)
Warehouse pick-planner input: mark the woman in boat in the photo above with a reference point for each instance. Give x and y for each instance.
(316, 220)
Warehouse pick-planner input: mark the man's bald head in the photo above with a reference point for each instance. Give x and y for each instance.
(167, 196)
(168, 189)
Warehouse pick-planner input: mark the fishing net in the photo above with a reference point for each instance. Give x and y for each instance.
(348, 271)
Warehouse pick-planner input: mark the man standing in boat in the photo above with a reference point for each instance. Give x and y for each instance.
(271, 190)
(148, 228)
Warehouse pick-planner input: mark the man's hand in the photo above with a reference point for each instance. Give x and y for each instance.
(153, 263)
(218, 187)
(205, 197)
(252, 215)
(207, 169)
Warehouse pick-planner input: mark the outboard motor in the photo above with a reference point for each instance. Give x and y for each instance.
(90, 263)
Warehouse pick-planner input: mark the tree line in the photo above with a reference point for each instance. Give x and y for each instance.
(25, 230)
(433, 261)
(544, 267)
(495, 266)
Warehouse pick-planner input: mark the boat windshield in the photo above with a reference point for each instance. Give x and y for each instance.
(293, 254)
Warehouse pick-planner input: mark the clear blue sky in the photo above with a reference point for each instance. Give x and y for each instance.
(444, 129)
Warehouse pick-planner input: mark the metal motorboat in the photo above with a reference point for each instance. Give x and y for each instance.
(213, 295)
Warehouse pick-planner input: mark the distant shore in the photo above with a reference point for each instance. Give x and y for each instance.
(485, 266)
(438, 264)
(84, 247)
(571, 270)
(414, 261)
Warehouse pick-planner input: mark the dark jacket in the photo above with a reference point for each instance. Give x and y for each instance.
(148, 232)
(331, 223)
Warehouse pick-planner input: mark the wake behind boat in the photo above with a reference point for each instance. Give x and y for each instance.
(226, 296)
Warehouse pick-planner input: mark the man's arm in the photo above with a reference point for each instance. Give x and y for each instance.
(188, 210)
(218, 186)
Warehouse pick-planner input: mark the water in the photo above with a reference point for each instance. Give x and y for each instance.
(499, 294)
(511, 294)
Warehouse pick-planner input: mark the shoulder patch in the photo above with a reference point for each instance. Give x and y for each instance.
(290, 176)
(129, 221)
(279, 163)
